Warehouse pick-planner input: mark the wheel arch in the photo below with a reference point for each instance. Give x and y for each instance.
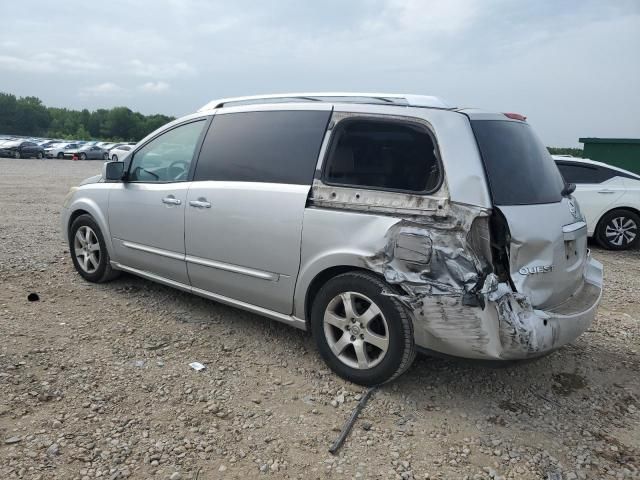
(311, 280)
(613, 209)
(86, 206)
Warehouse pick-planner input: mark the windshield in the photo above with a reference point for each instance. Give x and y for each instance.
(519, 169)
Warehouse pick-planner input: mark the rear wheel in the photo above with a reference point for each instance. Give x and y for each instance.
(40, 155)
(60, 156)
(364, 336)
(17, 154)
(105, 156)
(89, 252)
(619, 230)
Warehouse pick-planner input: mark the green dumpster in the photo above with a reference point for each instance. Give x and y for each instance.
(619, 152)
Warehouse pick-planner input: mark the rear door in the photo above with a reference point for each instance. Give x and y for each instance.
(243, 221)
(548, 248)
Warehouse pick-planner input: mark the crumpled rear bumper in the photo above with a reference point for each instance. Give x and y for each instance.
(508, 327)
(526, 332)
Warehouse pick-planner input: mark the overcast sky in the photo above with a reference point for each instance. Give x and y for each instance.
(573, 67)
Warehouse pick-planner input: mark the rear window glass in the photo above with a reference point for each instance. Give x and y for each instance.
(519, 169)
(385, 155)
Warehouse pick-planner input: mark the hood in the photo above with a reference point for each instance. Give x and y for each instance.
(94, 179)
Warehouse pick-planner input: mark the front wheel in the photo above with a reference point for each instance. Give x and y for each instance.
(83, 156)
(618, 230)
(114, 158)
(17, 155)
(60, 156)
(88, 250)
(364, 336)
(105, 156)
(40, 155)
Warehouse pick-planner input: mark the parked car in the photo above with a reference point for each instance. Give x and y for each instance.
(609, 198)
(87, 152)
(382, 223)
(21, 149)
(118, 153)
(48, 143)
(58, 150)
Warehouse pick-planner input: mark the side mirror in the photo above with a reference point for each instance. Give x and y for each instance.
(113, 171)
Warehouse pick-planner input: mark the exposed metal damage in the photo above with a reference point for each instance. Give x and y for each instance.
(439, 256)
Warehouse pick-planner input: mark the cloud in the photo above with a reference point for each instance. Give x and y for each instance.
(154, 87)
(160, 70)
(107, 89)
(60, 60)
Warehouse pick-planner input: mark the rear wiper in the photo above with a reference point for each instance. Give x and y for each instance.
(568, 189)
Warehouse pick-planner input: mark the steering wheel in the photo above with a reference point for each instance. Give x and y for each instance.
(178, 169)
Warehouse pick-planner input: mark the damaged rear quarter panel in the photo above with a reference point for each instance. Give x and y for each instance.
(425, 251)
(435, 251)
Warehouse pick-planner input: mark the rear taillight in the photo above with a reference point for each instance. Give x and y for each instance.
(515, 116)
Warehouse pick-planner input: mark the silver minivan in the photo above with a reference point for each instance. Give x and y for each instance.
(384, 224)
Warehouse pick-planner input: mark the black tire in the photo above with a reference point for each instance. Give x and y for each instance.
(17, 154)
(60, 156)
(40, 155)
(83, 156)
(401, 348)
(105, 156)
(114, 158)
(608, 225)
(104, 272)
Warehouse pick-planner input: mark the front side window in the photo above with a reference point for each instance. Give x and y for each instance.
(168, 157)
(383, 155)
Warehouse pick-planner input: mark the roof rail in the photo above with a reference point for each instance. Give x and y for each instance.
(347, 97)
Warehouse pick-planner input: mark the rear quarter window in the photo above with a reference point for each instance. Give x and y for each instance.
(383, 155)
(519, 168)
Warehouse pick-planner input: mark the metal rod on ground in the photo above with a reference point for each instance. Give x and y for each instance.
(346, 428)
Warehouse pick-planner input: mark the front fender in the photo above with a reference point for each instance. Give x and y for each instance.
(93, 200)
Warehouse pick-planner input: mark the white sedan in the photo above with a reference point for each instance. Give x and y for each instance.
(120, 152)
(609, 198)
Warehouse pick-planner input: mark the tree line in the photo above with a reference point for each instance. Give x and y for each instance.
(28, 116)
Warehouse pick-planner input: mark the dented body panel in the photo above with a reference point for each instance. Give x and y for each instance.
(441, 256)
(458, 305)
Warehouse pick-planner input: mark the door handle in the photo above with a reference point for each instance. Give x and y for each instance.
(171, 200)
(606, 191)
(200, 203)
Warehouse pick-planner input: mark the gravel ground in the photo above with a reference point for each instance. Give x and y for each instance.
(95, 382)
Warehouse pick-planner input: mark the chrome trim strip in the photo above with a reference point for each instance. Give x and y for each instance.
(281, 317)
(156, 251)
(274, 277)
(572, 227)
(574, 230)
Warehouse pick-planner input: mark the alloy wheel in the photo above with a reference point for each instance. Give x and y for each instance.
(86, 248)
(621, 231)
(356, 330)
